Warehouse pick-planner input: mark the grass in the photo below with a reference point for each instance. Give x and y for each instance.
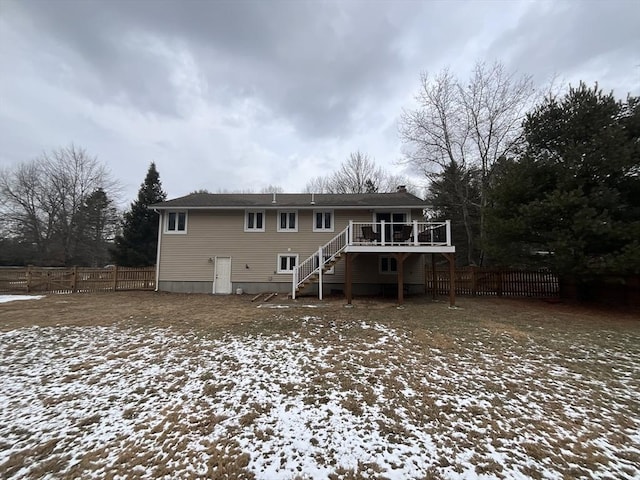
(166, 386)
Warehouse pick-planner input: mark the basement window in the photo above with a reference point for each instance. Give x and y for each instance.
(388, 264)
(286, 263)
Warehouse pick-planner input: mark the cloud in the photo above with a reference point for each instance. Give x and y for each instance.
(242, 94)
(309, 62)
(590, 41)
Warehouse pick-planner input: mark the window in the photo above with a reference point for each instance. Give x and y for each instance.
(388, 265)
(286, 263)
(254, 221)
(176, 222)
(323, 220)
(287, 221)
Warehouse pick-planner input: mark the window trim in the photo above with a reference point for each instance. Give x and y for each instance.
(246, 220)
(288, 212)
(282, 255)
(389, 271)
(175, 231)
(323, 229)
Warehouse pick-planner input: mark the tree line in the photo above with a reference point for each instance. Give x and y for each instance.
(58, 209)
(527, 181)
(530, 181)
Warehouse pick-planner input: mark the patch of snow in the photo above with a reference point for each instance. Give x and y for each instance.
(13, 298)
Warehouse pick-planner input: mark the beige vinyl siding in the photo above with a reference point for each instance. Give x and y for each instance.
(221, 233)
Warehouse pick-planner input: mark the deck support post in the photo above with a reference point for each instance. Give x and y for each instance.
(434, 277)
(320, 269)
(451, 257)
(348, 277)
(400, 258)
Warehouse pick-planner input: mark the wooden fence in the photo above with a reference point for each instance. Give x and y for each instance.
(75, 279)
(493, 281)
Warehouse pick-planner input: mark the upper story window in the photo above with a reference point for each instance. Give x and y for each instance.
(323, 220)
(254, 221)
(176, 222)
(287, 221)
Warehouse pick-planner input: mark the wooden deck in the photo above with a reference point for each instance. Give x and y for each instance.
(397, 239)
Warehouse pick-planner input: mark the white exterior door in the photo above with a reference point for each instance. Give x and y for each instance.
(222, 275)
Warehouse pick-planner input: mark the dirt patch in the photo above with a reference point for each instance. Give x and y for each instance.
(158, 309)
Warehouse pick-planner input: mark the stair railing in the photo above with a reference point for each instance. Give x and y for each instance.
(314, 263)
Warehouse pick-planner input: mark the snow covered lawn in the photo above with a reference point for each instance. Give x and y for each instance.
(313, 397)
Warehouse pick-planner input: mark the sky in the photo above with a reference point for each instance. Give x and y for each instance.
(238, 95)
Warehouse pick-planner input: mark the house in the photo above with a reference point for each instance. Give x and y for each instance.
(297, 243)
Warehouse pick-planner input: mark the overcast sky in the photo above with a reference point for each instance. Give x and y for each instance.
(242, 94)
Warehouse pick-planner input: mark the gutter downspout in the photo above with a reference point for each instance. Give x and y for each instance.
(159, 246)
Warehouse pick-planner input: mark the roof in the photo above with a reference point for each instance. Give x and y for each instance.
(289, 200)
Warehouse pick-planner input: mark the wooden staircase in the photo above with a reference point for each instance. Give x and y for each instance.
(310, 270)
(315, 276)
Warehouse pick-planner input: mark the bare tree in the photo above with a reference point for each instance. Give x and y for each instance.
(42, 199)
(471, 125)
(318, 185)
(358, 174)
(272, 189)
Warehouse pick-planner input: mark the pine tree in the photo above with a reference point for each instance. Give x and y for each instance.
(454, 194)
(96, 224)
(139, 240)
(574, 194)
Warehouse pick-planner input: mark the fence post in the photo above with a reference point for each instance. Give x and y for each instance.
(500, 279)
(115, 278)
(474, 280)
(29, 275)
(74, 279)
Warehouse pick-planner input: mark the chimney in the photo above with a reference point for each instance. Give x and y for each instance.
(401, 189)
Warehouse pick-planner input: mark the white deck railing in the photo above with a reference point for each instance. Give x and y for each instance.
(384, 234)
(400, 233)
(315, 263)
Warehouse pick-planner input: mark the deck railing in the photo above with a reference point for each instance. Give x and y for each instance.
(312, 265)
(400, 233)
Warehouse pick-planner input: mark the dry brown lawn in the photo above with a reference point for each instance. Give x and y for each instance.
(148, 385)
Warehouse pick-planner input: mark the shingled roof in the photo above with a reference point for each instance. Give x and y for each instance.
(288, 200)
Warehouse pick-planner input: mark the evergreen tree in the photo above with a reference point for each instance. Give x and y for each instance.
(96, 221)
(454, 194)
(572, 201)
(139, 240)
